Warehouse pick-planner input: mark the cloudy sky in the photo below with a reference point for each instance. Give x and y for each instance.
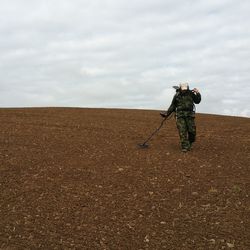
(125, 53)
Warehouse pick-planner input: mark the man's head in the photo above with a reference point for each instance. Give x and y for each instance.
(184, 86)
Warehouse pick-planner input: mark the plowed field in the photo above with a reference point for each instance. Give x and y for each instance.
(75, 179)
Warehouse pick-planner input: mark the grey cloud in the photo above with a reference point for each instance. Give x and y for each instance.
(124, 53)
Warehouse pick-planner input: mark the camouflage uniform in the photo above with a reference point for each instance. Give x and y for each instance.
(183, 105)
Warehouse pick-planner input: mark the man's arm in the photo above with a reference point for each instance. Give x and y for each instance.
(196, 96)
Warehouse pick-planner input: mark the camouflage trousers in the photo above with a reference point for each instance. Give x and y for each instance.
(187, 131)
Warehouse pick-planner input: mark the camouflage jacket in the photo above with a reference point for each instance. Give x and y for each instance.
(183, 103)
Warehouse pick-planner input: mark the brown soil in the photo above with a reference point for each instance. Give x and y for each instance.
(75, 179)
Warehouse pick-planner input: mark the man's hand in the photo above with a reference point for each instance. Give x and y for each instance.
(163, 114)
(195, 90)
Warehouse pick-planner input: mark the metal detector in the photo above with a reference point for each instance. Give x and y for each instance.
(144, 144)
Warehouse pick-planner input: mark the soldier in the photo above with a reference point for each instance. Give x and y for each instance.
(183, 105)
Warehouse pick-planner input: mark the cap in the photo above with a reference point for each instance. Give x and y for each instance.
(184, 86)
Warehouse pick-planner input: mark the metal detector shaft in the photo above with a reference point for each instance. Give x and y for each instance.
(149, 138)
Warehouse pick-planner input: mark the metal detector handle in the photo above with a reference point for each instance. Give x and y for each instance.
(162, 122)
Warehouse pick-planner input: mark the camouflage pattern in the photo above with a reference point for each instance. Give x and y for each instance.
(183, 106)
(187, 131)
(184, 102)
